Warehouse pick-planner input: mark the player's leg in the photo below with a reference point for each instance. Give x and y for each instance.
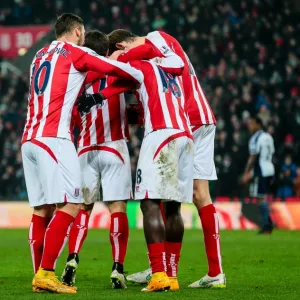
(90, 169)
(117, 189)
(119, 234)
(263, 206)
(158, 178)
(204, 170)
(154, 231)
(42, 212)
(61, 181)
(173, 240)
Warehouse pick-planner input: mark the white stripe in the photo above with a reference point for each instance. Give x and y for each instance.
(80, 233)
(63, 245)
(115, 238)
(218, 242)
(164, 261)
(196, 96)
(106, 121)
(210, 118)
(176, 108)
(93, 128)
(144, 99)
(173, 265)
(31, 246)
(83, 131)
(75, 81)
(122, 113)
(47, 95)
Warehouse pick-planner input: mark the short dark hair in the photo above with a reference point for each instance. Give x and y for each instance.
(118, 36)
(257, 120)
(66, 23)
(97, 41)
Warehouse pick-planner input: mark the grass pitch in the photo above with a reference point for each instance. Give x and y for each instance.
(257, 267)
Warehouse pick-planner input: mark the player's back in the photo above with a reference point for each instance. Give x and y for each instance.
(262, 144)
(162, 99)
(106, 122)
(197, 106)
(54, 87)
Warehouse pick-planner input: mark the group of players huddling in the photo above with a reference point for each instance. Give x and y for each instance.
(79, 80)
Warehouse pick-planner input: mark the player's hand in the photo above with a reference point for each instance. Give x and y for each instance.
(115, 55)
(246, 178)
(85, 102)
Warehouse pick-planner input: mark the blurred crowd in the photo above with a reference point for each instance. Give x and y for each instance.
(246, 54)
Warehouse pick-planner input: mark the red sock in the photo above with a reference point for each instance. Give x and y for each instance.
(210, 224)
(78, 232)
(36, 235)
(157, 257)
(119, 232)
(172, 257)
(55, 238)
(162, 210)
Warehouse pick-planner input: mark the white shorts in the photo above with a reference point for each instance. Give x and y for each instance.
(52, 171)
(165, 167)
(204, 145)
(107, 164)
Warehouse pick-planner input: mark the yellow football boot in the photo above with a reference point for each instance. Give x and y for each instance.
(158, 283)
(174, 284)
(46, 280)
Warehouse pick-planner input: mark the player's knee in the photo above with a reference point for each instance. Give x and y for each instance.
(201, 195)
(69, 208)
(88, 207)
(117, 206)
(45, 211)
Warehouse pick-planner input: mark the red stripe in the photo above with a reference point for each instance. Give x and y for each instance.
(101, 148)
(171, 109)
(87, 136)
(58, 91)
(169, 139)
(45, 147)
(156, 112)
(196, 127)
(99, 123)
(114, 109)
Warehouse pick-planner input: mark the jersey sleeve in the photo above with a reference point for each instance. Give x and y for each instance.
(93, 76)
(117, 86)
(85, 60)
(156, 48)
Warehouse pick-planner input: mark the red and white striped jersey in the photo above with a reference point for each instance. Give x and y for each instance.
(196, 105)
(104, 123)
(162, 98)
(57, 73)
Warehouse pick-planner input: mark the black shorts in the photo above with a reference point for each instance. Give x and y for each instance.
(260, 186)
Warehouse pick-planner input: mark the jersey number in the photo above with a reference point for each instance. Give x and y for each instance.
(40, 82)
(169, 83)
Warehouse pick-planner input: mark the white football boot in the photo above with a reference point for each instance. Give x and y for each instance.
(217, 282)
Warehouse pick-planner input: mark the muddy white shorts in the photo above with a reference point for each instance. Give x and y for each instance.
(165, 167)
(204, 145)
(107, 165)
(52, 171)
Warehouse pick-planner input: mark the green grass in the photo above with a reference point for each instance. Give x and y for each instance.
(257, 267)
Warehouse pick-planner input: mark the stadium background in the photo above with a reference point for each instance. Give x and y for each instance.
(246, 54)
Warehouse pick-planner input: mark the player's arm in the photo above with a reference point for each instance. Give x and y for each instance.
(254, 151)
(93, 76)
(87, 60)
(165, 57)
(115, 87)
